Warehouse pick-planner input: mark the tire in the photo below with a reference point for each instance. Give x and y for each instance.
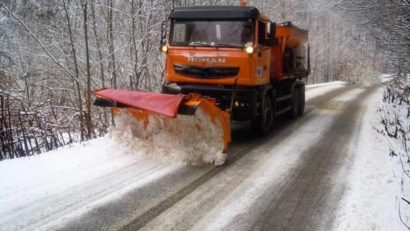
(169, 89)
(264, 122)
(302, 99)
(294, 104)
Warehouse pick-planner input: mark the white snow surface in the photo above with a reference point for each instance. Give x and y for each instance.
(252, 194)
(61, 184)
(370, 201)
(45, 191)
(315, 90)
(326, 85)
(384, 78)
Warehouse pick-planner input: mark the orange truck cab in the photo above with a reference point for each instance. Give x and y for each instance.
(251, 66)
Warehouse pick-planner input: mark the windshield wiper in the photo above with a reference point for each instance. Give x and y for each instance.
(179, 43)
(206, 44)
(226, 45)
(199, 43)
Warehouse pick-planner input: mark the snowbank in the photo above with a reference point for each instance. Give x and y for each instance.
(49, 189)
(327, 84)
(188, 139)
(370, 199)
(316, 90)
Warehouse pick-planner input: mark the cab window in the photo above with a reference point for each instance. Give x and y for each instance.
(261, 33)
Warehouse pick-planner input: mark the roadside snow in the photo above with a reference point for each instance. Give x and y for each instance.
(327, 84)
(316, 90)
(370, 199)
(41, 191)
(384, 78)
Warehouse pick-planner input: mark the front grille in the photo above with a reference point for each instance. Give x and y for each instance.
(206, 72)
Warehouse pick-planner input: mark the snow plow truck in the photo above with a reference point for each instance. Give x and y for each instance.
(222, 63)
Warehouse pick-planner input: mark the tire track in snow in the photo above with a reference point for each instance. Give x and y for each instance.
(141, 220)
(308, 199)
(57, 206)
(243, 209)
(242, 145)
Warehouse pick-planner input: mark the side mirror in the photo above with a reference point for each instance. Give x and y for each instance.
(308, 59)
(272, 30)
(164, 28)
(271, 40)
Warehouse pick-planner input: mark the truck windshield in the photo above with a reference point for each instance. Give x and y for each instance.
(212, 33)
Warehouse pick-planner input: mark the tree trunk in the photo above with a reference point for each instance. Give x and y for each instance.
(88, 121)
(77, 83)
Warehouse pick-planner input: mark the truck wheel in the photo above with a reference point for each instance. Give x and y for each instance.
(295, 104)
(264, 122)
(301, 108)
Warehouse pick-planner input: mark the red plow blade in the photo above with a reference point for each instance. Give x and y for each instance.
(190, 126)
(163, 104)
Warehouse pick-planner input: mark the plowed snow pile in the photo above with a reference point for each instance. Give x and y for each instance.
(189, 139)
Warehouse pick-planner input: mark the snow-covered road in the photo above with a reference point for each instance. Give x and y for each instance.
(293, 179)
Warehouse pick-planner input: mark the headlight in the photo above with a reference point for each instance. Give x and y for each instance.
(164, 49)
(249, 50)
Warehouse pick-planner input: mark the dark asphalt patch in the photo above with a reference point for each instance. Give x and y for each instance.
(309, 197)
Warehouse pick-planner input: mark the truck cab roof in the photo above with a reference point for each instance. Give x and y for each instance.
(214, 13)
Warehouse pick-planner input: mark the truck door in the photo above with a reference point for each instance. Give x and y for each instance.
(263, 53)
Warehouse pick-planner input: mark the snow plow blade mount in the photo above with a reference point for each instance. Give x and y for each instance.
(185, 119)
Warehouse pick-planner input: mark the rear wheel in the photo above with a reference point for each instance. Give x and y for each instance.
(301, 108)
(264, 122)
(295, 104)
